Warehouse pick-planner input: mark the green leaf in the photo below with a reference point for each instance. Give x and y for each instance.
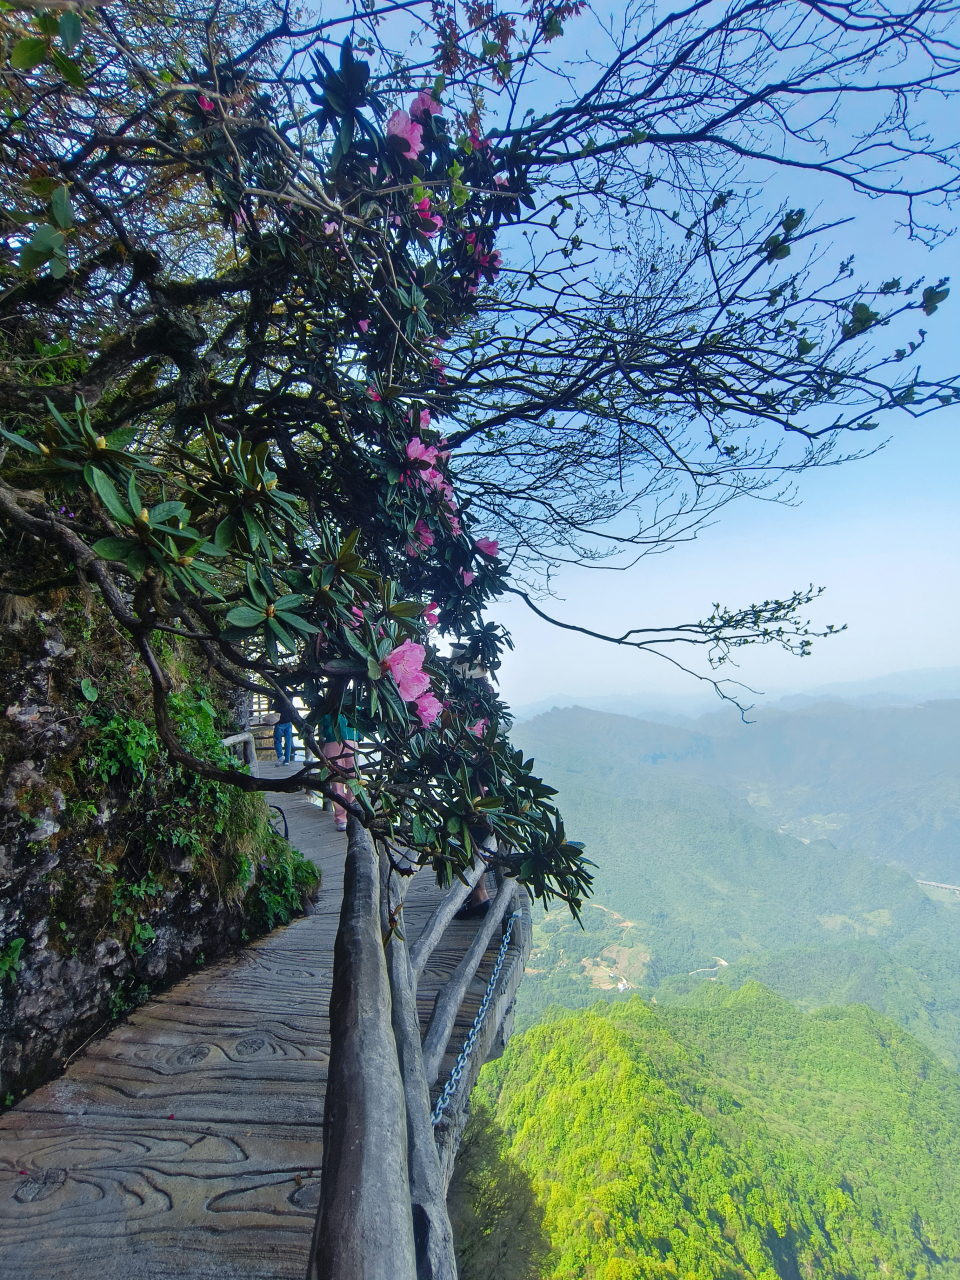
(28, 53)
(113, 548)
(932, 298)
(246, 616)
(290, 602)
(137, 563)
(373, 669)
(804, 347)
(22, 441)
(206, 707)
(299, 624)
(164, 509)
(71, 30)
(122, 438)
(61, 207)
(88, 689)
(226, 533)
(254, 532)
(69, 69)
(286, 639)
(107, 492)
(45, 242)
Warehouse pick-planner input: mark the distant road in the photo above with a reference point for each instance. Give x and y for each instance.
(932, 884)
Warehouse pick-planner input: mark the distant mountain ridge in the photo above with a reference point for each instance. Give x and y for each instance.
(788, 848)
(900, 688)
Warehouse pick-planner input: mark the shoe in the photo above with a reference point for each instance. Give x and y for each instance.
(476, 912)
(340, 824)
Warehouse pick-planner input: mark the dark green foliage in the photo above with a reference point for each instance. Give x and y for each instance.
(497, 1219)
(742, 1138)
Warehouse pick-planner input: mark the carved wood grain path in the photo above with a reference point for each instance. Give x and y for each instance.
(187, 1143)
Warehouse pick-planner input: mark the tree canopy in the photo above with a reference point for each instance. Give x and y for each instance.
(320, 334)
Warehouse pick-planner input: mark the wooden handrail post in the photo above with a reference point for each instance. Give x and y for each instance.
(432, 1232)
(364, 1225)
(450, 997)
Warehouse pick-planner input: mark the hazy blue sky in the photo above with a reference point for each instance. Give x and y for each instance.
(881, 535)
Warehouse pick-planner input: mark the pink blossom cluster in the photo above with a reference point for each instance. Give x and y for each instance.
(405, 664)
(408, 131)
(489, 546)
(420, 540)
(424, 105)
(484, 263)
(403, 124)
(430, 223)
(478, 729)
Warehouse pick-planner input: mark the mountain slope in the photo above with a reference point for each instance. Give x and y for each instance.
(688, 878)
(885, 781)
(744, 1138)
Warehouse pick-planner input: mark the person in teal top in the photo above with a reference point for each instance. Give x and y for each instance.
(339, 748)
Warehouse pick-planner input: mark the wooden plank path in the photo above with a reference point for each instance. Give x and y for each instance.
(187, 1143)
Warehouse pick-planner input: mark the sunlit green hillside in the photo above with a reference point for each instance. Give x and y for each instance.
(740, 1138)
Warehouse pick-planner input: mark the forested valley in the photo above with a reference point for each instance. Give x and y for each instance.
(745, 1061)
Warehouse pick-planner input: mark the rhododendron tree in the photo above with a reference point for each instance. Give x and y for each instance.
(290, 315)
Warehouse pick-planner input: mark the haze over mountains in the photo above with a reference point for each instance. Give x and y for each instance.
(786, 850)
(901, 688)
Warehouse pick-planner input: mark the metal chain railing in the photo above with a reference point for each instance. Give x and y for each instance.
(450, 1088)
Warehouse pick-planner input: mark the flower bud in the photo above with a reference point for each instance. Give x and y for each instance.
(101, 442)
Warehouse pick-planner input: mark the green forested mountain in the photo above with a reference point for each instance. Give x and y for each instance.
(690, 877)
(738, 1137)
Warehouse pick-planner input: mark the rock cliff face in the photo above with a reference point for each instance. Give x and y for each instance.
(117, 873)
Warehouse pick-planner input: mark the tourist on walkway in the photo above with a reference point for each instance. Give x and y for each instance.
(338, 747)
(282, 734)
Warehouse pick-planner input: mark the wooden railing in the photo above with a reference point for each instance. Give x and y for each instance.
(387, 1159)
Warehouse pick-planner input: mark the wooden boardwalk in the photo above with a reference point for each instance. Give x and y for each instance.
(186, 1144)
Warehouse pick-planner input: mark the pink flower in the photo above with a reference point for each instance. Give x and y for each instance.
(467, 576)
(431, 613)
(489, 546)
(424, 419)
(401, 126)
(330, 228)
(422, 538)
(205, 103)
(478, 729)
(374, 395)
(417, 451)
(423, 105)
(432, 478)
(455, 528)
(405, 664)
(363, 325)
(428, 708)
(433, 219)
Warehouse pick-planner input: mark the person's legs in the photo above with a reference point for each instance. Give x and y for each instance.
(340, 754)
(278, 742)
(287, 743)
